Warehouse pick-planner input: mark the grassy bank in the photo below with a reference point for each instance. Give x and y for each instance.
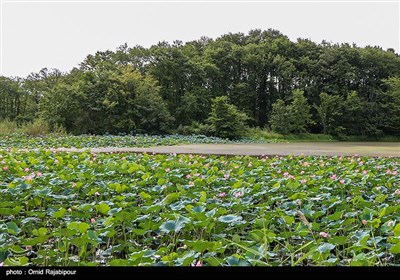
(258, 134)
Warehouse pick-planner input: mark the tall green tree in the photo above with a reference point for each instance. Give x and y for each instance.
(390, 107)
(354, 114)
(330, 111)
(292, 118)
(300, 112)
(227, 121)
(280, 119)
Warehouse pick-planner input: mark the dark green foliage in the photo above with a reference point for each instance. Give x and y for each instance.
(390, 106)
(330, 111)
(299, 112)
(107, 101)
(292, 118)
(151, 113)
(280, 118)
(253, 70)
(196, 129)
(227, 121)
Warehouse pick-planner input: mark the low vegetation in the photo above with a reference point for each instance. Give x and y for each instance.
(179, 210)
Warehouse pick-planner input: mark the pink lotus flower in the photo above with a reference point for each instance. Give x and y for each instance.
(394, 172)
(334, 177)
(286, 174)
(26, 169)
(303, 181)
(342, 181)
(5, 168)
(226, 176)
(39, 174)
(56, 161)
(199, 263)
(167, 169)
(291, 177)
(364, 222)
(388, 171)
(221, 194)
(1, 264)
(97, 194)
(238, 194)
(187, 176)
(365, 172)
(302, 172)
(324, 234)
(92, 220)
(397, 191)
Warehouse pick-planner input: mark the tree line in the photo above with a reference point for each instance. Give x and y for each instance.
(216, 86)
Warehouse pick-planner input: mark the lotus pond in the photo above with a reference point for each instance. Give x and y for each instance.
(20, 140)
(83, 209)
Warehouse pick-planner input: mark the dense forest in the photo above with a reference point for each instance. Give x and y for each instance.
(217, 86)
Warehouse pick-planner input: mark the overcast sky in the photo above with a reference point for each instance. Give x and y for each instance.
(60, 35)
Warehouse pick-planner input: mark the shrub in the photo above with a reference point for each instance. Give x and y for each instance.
(280, 118)
(36, 128)
(196, 128)
(7, 127)
(292, 118)
(258, 133)
(227, 121)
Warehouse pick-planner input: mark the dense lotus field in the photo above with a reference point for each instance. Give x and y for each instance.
(68, 209)
(20, 140)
